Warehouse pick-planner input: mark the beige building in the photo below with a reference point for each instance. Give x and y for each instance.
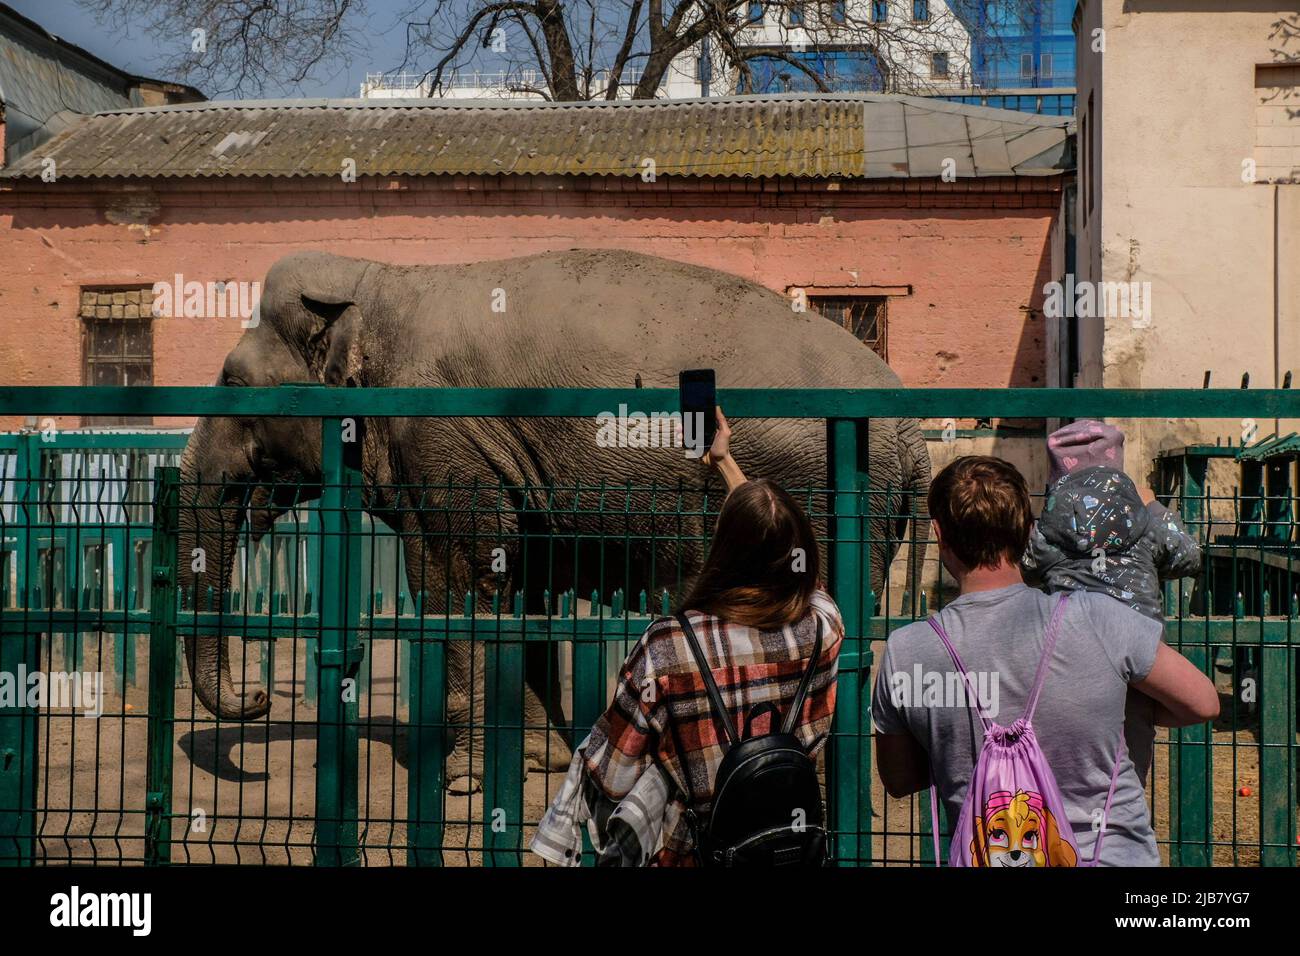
(1188, 195)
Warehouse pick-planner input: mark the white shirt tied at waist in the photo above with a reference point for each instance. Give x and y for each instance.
(632, 833)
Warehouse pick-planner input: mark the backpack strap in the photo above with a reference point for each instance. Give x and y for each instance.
(961, 668)
(1120, 752)
(796, 708)
(1049, 642)
(717, 706)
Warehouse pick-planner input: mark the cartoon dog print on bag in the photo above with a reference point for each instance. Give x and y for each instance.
(1018, 831)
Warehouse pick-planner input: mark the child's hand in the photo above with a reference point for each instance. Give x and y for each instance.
(1146, 494)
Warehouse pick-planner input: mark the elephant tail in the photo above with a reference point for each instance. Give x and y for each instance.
(916, 481)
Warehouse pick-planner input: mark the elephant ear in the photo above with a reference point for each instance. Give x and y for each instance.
(334, 348)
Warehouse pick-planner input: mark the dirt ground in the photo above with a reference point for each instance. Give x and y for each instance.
(246, 793)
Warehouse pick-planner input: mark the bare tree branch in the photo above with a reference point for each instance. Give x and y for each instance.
(241, 46)
(580, 49)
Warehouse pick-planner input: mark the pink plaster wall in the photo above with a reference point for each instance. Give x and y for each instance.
(975, 253)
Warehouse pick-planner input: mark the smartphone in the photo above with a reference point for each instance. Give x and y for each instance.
(699, 396)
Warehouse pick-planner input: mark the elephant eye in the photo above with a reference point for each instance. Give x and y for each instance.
(232, 380)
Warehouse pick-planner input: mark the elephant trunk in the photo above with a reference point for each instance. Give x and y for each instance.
(210, 517)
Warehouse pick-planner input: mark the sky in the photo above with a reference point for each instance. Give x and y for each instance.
(382, 44)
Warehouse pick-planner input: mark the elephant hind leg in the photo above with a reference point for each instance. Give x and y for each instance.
(466, 715)
(545, 747)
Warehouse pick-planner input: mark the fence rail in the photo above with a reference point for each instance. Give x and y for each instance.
(314, 401)
(361, 776)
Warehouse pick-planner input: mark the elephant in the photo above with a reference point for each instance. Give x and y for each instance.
(579, 318)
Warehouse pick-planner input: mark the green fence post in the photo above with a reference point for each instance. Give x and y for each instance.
(503, 757)
(1191, 774)
(925, 828)
(20, 653)
(426, 691)
(850, 790)
(1277, 803)
(162, 668)
(338, 653)
(1190, 799)
(310, 676)
(589, 685)
(27, 476)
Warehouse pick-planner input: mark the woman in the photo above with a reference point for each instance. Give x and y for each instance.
(754, 609)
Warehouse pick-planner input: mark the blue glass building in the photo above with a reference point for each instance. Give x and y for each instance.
(1025, 46)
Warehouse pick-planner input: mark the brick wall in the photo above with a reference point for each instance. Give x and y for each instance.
(974, 253)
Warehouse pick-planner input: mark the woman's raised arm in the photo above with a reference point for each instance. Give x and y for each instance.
(719, 455)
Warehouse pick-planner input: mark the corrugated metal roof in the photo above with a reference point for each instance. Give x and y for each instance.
(829, 135)
(45, 82)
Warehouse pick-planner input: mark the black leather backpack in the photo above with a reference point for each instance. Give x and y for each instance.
(767, 804)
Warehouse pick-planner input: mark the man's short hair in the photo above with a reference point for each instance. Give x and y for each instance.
(982, 507)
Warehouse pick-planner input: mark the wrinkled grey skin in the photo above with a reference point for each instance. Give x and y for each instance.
(571, 319)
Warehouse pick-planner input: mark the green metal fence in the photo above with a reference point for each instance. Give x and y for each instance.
(349, 767)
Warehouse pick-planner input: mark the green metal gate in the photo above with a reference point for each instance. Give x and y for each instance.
(348, 768)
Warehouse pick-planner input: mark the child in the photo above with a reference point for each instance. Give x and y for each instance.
(1097, 532)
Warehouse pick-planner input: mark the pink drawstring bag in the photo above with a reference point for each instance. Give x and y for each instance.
(1014, 814)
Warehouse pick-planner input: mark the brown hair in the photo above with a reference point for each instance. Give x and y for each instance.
(752, 575)
(982, 507)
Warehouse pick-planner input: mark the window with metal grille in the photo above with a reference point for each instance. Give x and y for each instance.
(920, 10)
(879, 11)
(117, 343)
(863, 315)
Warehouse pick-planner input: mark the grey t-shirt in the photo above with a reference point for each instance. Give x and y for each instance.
(1102, 647)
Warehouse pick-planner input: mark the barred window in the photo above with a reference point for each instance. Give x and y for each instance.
(863, 315)
(117, 343)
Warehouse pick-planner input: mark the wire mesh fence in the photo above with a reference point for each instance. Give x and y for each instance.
(429, 654)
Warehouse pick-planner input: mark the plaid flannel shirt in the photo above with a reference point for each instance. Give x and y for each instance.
(660, 682)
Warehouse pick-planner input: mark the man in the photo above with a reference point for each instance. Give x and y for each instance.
(925, 726)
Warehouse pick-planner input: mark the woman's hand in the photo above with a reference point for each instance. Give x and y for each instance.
(719, 455)
(720, 450)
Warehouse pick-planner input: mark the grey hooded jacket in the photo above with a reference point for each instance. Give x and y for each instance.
(1096, 534)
